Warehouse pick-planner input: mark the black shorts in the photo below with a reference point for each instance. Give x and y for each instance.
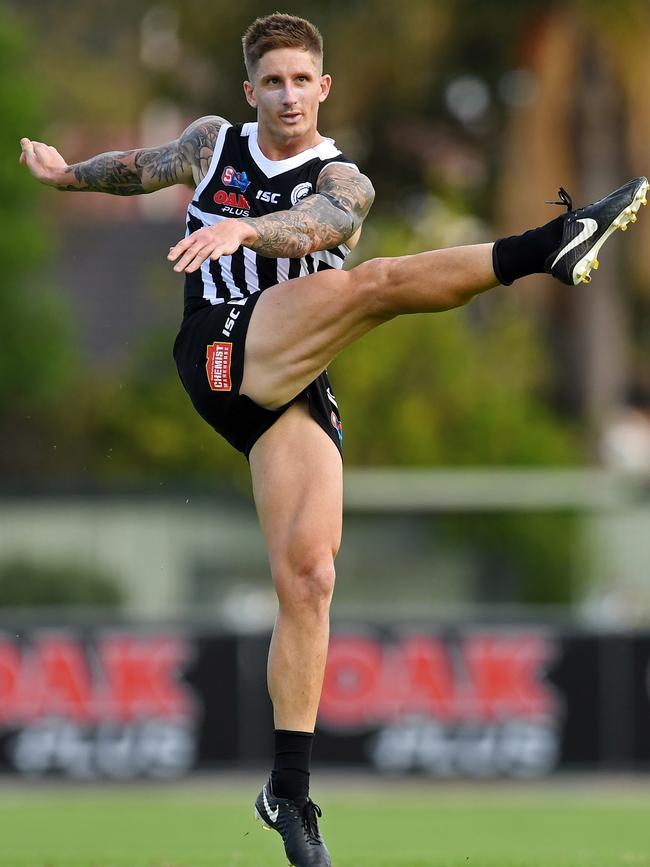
(209, 355)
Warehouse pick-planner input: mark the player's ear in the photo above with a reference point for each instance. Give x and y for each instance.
(250, 95)
(325, 84)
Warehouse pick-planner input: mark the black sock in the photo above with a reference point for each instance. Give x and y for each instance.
(290, 774)
(519, 255)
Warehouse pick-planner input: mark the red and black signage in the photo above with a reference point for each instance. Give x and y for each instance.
(463, 703)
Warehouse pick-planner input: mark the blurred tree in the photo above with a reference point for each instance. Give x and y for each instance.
(25, 584)
(35, 334)
(587, 129)
(86, 57)
(142, 428)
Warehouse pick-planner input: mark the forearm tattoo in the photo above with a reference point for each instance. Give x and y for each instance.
(318, 222)
(129, 173)
(107, 173)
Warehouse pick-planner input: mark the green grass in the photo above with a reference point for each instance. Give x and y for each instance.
(428, 827)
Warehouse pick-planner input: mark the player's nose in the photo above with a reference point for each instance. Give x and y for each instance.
(289, 96)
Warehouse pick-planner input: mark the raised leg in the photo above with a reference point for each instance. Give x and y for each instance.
(300, 326)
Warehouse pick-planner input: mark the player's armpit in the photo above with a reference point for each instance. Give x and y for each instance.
(330, 217)
(144, 170)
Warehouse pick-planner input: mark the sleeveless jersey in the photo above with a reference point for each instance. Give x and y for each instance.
(242, 182)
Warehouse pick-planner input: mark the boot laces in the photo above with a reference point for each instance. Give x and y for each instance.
(309, 821)
(565, 199)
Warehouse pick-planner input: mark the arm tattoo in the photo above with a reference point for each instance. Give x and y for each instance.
(197, 143)
(319, 222)
(164, 165)
(129, 173)
(106, 173)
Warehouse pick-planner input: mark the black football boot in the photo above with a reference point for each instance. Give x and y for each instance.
(586, 230)
(296, 821)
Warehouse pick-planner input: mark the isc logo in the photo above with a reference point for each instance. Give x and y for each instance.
(265, 196)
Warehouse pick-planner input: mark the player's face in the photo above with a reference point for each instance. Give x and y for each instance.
(287, 89)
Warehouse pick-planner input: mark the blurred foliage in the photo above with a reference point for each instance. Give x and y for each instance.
(26, 584)
(435, 390)
(35, 334)
(533, 559)
(469, 386)
(146, 430)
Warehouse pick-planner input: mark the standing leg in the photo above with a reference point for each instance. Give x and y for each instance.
(297, 483)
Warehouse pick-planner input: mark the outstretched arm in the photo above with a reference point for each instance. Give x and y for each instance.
(129, 173)
(332, 216)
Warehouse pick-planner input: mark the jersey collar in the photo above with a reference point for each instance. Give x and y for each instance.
(323, 151)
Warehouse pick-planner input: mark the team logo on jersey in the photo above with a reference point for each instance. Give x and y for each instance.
(299, 192)
(336, 422)
(217, 366)
(232, 178)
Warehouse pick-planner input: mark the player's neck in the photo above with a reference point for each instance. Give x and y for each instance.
(276, 148)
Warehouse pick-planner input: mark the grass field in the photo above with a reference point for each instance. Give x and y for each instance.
(424, 826)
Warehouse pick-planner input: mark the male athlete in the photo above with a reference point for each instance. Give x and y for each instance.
(275, 211)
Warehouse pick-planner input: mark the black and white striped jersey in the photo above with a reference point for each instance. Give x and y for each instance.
(242, 182)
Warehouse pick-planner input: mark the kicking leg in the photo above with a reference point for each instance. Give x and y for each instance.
(300, 326)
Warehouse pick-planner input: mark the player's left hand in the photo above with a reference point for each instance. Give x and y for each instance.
(209, 243)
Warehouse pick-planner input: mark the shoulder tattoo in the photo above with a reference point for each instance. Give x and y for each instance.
(347, 189)
(196, 143)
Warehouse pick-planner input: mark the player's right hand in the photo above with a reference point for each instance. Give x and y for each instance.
(43, 161)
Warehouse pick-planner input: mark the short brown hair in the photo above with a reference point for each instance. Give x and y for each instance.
(279, 31)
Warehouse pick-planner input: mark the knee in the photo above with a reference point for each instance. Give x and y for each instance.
(305, 585)
(373, 280)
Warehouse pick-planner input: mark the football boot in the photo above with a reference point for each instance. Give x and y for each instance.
(586, 229)
(296, 821)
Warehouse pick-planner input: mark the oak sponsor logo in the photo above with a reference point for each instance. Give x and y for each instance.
(112, 708)
(217, 366)
(235, 204)
(480, 706)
